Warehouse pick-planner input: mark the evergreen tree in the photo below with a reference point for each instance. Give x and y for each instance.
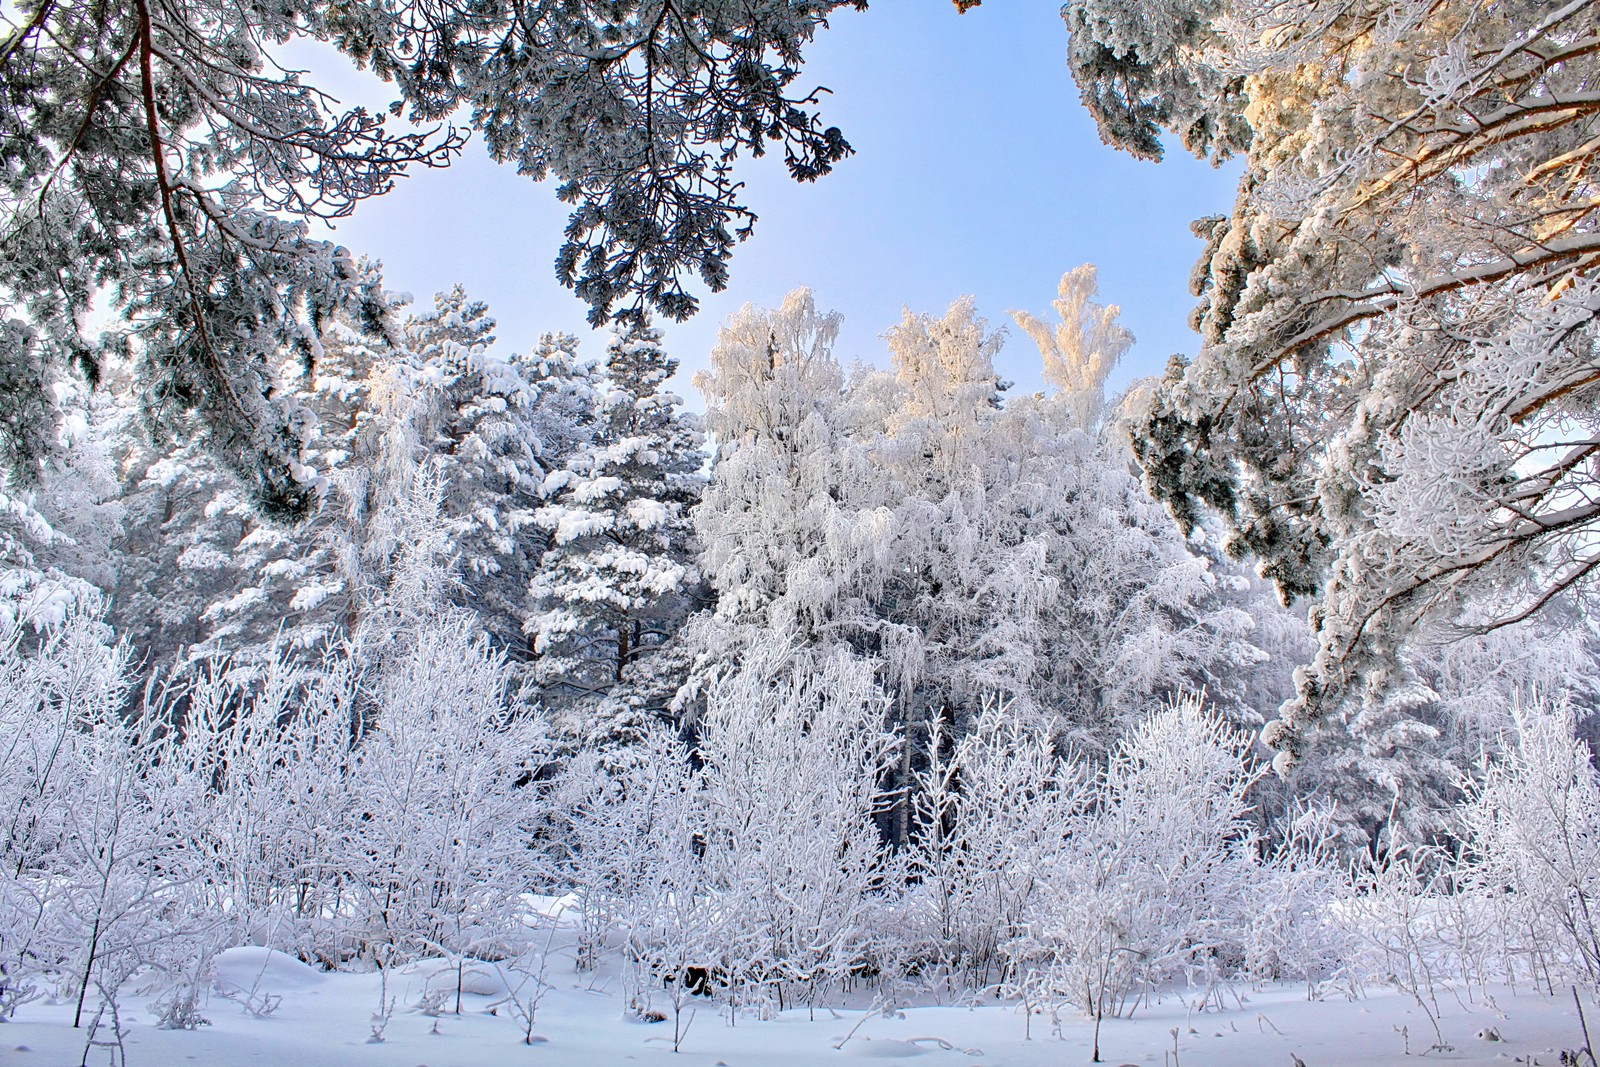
(299, 584)
(164, 165)
(1396, 758)
(1394, 404)
(56, 531)
(439, 427)
(614, 587)
(482, 418)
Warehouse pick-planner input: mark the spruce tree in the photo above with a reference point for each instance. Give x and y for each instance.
(616, 582)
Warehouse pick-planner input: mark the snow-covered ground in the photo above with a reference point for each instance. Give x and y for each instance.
(323, 1020)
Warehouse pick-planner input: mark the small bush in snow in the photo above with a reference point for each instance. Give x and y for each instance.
(1152, 882)
(1531, 831)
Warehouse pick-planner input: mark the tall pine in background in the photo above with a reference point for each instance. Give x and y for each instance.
(617, 581)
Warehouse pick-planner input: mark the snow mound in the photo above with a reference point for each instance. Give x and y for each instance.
(253, 967)
(477, 979)
(883, 1048)
(564, 909)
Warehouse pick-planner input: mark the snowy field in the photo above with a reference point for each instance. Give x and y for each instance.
(327, 1019)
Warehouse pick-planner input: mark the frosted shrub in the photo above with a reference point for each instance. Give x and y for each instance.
(50, 698)
(101, 874)
(268, 750)
(1153, 880)
(1288, 924)
(632, 815)
(991, 816)
(1531, 829)
(794, 751)
(1401, 931)
(445, 783)
(673, 934)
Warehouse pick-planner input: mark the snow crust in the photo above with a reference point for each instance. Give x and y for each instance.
(325, 1020)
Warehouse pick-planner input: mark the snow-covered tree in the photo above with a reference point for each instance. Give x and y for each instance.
(968, 545)
(50, 698)
(1027, 560)
(171, 169)
(440, 442)
(961, 586)
(1394, 760)
(774, 506)
(484, 418)
(57, 530)
(1394, 404)
(272, 583)
(614, 586)
(751, 867)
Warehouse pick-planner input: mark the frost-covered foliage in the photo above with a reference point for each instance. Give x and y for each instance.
(443, 787)
(795, 748)
(637, 109)
(327, 811)
(1153, 880)
(632, 814)
(1037, 874)
(198, 162)
(446, 455)
(758, 870)
(1394, 404)
(57, 529)
(614, 586)
(100, 871)
(165, 171)
(495, 425)
(991, 812)
(271, 748)
(169, 168)
(968, 543)
(371, 809)
(1149, 67)
(1532, 838)
(772, 508)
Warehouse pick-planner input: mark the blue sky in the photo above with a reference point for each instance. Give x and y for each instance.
(976, 171)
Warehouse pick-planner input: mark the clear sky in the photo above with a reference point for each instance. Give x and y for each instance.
(976, 171)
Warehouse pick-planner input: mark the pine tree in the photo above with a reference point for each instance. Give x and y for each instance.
(1395, 760)
(483, 417)
(440, 426)
(168, 168)
(615, 584)
(56, 531)
(298, 585)
(1393, 406)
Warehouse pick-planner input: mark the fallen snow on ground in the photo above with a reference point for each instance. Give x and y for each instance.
(326, 1020)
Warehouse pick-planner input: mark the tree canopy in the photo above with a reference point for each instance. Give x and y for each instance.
(1394, 402)
(161, 167)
